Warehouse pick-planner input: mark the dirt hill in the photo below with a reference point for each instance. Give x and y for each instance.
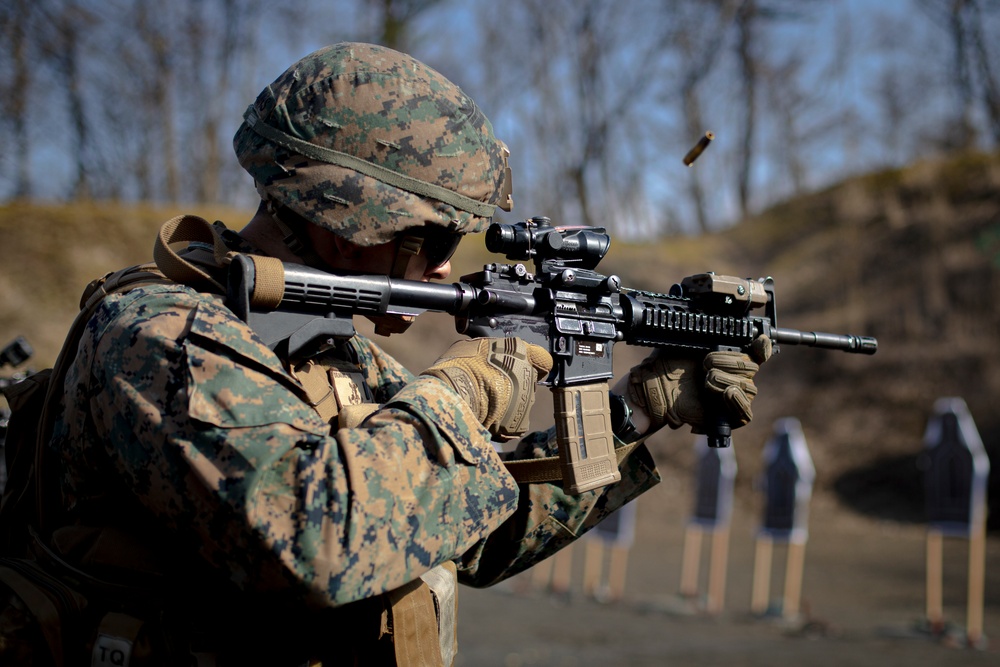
(910, 256)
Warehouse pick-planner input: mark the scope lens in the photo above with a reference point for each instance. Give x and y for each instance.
(503, 238)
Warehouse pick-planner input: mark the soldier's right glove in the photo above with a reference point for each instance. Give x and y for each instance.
(675, 391)
(497, 378)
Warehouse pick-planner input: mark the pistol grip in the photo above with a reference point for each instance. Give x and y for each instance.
(717, 427)
(585, 437)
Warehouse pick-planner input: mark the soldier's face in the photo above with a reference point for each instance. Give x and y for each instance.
(418, 267)
(342, 254)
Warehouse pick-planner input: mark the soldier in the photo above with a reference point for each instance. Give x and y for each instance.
(218, 499)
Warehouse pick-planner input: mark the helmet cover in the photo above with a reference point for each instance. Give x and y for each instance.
(368, 142)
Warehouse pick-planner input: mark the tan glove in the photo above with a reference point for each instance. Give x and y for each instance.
(675, 391)
(497, 377)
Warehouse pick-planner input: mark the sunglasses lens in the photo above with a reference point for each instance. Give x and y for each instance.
(438, 247)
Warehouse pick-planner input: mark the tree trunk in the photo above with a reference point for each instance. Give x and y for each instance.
(18, 100)
(748, 70)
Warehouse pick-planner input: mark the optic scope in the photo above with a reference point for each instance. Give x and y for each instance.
(539, 240)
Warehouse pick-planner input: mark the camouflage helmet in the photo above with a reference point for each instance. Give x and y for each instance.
(368, 142)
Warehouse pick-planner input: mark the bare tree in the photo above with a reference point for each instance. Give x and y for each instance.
(18, 19)
(161, 85)
(69, 23)
(753, 18)
(699, 38)
(598, 100)
(397, 18)
(985, 64)
(901, 87)
(392, 23)
(746, 25)
(972, 72)
(218, 35)
(578, 84)
(788, 105)
(46, 47)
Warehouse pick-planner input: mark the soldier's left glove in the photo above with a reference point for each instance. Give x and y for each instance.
(675, 392)
(497, 378)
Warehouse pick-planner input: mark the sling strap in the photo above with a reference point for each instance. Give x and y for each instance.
(548, 469)
(189, 228)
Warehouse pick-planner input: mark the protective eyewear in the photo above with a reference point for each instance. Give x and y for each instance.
(436, 245)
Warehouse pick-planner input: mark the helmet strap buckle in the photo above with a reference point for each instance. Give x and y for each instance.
(409, 247)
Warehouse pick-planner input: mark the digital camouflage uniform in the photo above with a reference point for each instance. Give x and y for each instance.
(190, 462)
(184, 431)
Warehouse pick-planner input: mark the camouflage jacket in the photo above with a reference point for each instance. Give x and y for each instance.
(182, 430)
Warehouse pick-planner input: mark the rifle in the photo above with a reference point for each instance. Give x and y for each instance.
(564, 305)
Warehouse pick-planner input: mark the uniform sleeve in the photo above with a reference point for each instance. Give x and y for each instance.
(547, 519)
(213, 437)
(385, 376)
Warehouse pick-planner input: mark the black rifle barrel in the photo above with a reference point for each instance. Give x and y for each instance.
(315, 290)
(846, 342)
(312, 289)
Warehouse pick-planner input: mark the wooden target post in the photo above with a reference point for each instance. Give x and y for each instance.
(716, 475)
(956, 473)
(554, 574)
(613, 536)
(787, 483)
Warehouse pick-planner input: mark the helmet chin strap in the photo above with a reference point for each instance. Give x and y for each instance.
(386, 325)
(408, 248)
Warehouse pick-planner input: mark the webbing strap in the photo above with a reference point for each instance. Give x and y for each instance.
(119, 281)
(410, 247)
(351, 416)
(415, 626)
(188, 228)
(315, 379)
(530, 471)
(443, 582)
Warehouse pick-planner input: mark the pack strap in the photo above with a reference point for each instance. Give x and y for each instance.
(549, 469)
(120, 281)
(93, 295)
